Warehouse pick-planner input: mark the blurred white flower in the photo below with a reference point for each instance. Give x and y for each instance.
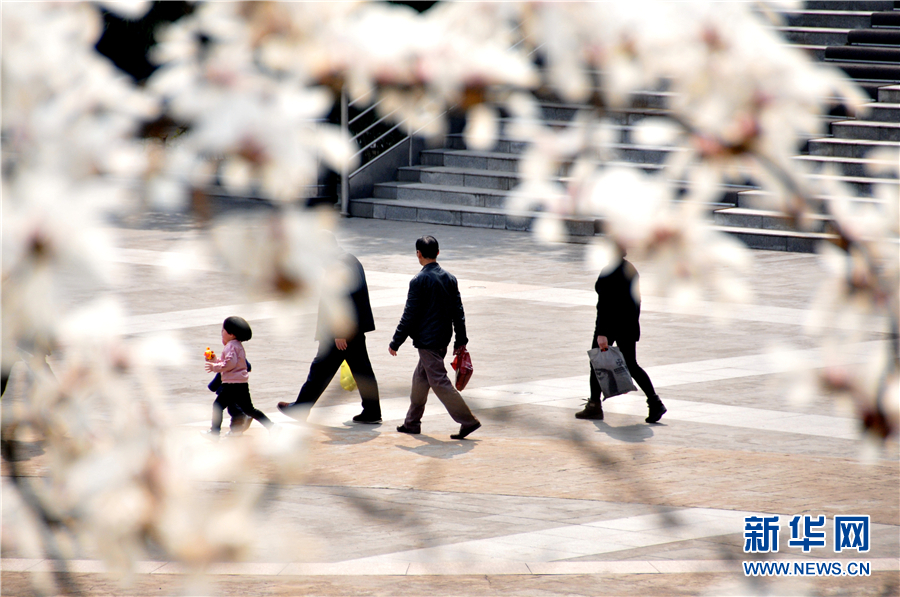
(632, 204)
(247, 86)
(656, 131)
(482, 128)
(549, 229)
(127, 9)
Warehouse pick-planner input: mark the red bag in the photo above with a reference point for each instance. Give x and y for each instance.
(462, 364)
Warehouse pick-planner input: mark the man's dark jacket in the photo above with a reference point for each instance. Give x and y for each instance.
(433, 309)
(358, 295)
(618, 304)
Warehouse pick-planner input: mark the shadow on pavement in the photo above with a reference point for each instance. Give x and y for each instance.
(627, 433)
(349, 436)
(435, 448)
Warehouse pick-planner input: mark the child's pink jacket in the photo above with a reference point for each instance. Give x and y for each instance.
(232, 363)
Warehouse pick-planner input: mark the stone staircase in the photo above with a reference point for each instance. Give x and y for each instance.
(863, 39)
(458, 186)
(848, 151)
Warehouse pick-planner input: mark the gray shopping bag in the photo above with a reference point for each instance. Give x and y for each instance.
(611, 371)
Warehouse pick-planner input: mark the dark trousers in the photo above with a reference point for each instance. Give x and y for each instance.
(239, 395)
(326, 364)
(431, 373)
(640, 376)
(237, 416)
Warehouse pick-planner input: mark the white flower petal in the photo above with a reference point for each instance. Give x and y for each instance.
(482, 127)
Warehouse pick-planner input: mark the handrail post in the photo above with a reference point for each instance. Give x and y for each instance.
(345, 178)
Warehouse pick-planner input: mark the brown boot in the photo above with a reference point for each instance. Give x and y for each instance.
(592, 410)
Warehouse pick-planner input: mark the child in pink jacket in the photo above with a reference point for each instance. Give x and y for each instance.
(232, 365)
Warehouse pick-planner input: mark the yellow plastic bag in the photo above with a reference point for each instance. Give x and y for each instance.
(347, 381)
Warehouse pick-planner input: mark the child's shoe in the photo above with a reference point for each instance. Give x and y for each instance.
(211, 435)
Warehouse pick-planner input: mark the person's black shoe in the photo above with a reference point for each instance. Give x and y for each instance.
(291, 410)
(592, 410)
(367, 418)
(411, 430)
(465, 430)
(657, 410)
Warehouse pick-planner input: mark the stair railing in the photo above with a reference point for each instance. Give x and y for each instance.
(347, 126)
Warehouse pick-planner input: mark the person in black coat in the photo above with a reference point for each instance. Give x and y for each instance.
(618, 322)
(432, 313)
(333, 351)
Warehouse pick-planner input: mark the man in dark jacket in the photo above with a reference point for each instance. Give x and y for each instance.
(350, 347)
(433, 310)
(618, 315)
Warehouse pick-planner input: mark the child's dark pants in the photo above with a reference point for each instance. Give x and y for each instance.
(237, 394)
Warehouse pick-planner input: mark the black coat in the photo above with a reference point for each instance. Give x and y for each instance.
(619, 304)
(433, 310)
(358, 295)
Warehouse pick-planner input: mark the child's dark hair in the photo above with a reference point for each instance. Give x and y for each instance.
(427, 246)
(238, 327)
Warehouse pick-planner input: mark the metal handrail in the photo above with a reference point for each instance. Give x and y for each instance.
(371, 126)
(364, 112)
(346, 175)
(345, 127)
(371, 143)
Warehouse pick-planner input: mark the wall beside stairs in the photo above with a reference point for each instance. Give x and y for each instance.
(385, 167)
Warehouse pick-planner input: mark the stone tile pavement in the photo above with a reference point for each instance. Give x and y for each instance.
(535, 502)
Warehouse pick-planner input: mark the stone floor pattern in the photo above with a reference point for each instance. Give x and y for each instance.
(600, 507)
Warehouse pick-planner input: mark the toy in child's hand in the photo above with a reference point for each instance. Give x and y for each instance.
(209, 354)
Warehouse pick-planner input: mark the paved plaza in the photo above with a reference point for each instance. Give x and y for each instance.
(535, 502)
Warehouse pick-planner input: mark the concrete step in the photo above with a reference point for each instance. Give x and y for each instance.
(508, 162)
(444, 195)
(861, 185)
(871, 86)
(851, 148)
(462, 215)
(815, 36)
(814, 52)
(889, 73)
(510, 145)
(889, 94)
(778, 240)
(642, 103)
(742, 217)
(848, 166)
(867, 5)
(837, 19)
(874, 37)
(862, 54)
(474, 178)
(883, 112)
(754, 199)
(886, 19)
(468, 178)
(494, 161)
(869, 130)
